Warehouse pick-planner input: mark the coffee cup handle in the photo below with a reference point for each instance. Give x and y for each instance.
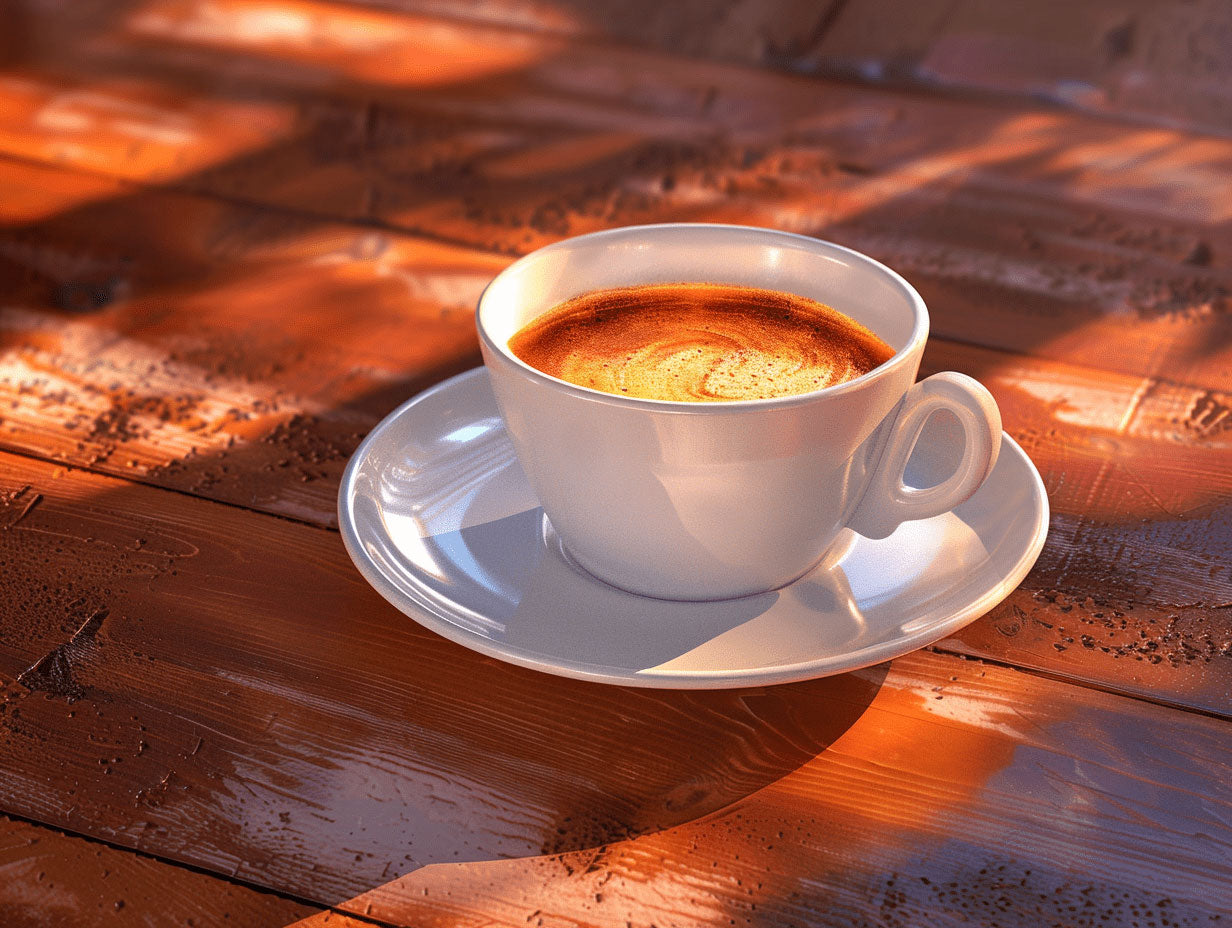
(888, 501)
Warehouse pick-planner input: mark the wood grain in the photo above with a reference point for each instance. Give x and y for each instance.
(1026, 228)
(1159, 63)
(54, 880)
(772, 32)
(244, 357)
(222, 688)
(1127, 462)
(852, 838)
(1165, 63)
(1162, 63)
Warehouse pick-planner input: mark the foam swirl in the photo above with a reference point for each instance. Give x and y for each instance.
(698, 343)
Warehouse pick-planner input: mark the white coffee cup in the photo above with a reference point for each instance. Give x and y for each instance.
(699, 501)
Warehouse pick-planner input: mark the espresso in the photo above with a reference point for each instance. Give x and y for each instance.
(698, 343)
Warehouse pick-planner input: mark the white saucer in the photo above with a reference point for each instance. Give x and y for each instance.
(438, 516)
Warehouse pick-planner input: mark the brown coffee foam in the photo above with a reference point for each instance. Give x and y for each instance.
(698, 343)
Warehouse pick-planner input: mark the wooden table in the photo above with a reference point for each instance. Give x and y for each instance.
(234, 234)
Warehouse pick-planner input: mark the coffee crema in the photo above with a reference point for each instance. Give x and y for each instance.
(698, 342)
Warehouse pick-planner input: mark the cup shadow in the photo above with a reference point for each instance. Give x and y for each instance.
(523, 569)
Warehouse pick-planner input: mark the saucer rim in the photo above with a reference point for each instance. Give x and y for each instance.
(437, 618)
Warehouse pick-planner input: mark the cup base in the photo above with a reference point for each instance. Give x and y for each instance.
(839, 548)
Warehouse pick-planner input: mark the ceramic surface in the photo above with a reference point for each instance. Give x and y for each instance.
(438, 516)
(713, 500)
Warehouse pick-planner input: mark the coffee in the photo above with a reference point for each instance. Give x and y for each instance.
(698, 343)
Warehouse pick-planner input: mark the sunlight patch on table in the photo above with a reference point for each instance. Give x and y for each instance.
(369, 45)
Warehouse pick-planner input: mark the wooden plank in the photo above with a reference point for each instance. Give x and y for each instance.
(1165, 63)
(55, 880)
(852, 838)
(254, 317)
(1127, 462)
(1161, 63)
(218, 349)
(763, 32)
(243, 358)
(310, 34)
(287, 454)
(222, 688)
(1026, 228)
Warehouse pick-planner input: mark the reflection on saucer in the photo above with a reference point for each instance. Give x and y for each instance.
(439, 517)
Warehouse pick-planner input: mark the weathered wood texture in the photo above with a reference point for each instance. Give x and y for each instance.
(773, 32)
(1134, 587)
(1164, 62)
(54, 880)
(758, 31)
(1026, 228)
(1159, 62)
(244, 356)
(222, 688)
(223, 350)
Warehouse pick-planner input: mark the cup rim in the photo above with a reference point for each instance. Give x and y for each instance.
(901, 357)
